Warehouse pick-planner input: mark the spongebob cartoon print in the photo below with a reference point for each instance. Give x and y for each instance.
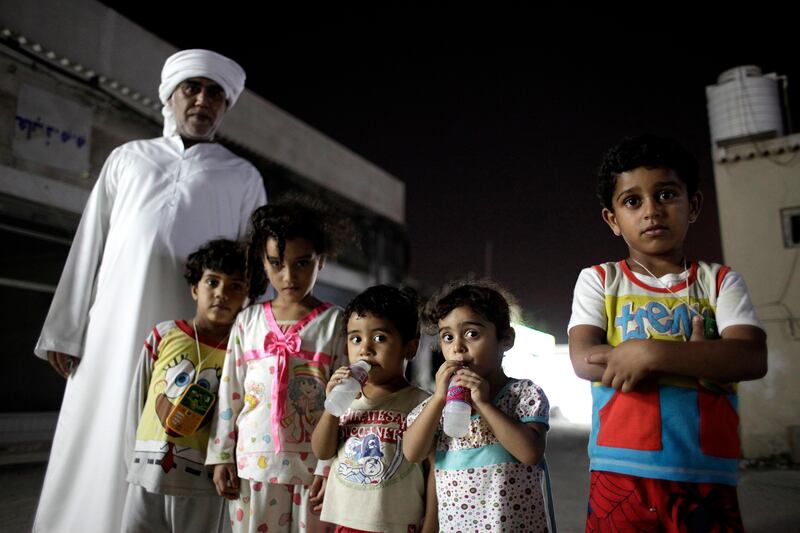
(306, 403)
(173, 369)
(177, 377)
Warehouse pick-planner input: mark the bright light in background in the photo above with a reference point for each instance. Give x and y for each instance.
(536, 356)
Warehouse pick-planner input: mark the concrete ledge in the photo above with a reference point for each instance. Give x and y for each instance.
(26, 437)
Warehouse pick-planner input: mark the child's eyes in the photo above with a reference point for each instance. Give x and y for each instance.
(472, 334)
(303, 263)
(446, 337)
(275, 264)
(211, 282)
(379, 338)
(355, 339)
(631, 201)
(666, 195)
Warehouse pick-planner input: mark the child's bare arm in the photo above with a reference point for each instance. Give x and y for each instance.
(316, 494)
(589, 354)
(526, 442)
(585, 341)
(418, 437)
(226, 481)
(740, 355)
(325, 439)
(431, 521)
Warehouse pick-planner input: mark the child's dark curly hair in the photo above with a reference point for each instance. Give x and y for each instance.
(399, 306)
(298, 217)
(220, 255)
(649, 151)
(486, 297)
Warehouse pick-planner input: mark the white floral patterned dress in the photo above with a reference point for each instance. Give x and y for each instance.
(479, 484)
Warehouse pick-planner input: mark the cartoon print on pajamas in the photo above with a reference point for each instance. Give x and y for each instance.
(173, 372)
(179, 374)
(306, 403)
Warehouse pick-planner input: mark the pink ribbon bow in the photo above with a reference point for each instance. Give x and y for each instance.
(282, 345)
(289, 345)
(281, 349)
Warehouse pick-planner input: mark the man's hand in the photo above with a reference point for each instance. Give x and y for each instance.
(226, 481)
(63, 363)
(316, 493)
(632, 361)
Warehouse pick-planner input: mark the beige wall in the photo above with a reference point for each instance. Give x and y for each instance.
(91, 34)
(754, 182)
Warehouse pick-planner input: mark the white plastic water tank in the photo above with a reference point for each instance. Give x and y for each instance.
(744, 105)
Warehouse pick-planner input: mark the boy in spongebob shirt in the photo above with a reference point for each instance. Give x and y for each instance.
(170, 488)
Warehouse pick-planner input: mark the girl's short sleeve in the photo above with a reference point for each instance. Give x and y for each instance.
(528, 403)
(415, 412)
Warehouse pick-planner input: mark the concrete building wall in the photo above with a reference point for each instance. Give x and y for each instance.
(754, 182)
(68, 67)
(96, 40)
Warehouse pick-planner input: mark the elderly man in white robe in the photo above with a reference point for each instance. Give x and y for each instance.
(154, 202)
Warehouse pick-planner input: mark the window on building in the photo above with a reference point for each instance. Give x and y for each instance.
(791, 227)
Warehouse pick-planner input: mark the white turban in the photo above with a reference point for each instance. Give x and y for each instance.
(198, 63)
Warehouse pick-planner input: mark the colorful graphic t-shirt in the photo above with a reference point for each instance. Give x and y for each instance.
(371, 486)
(163, 462)
(676, 428)
(479, 484)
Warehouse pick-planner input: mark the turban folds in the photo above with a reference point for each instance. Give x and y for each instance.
(198, 63)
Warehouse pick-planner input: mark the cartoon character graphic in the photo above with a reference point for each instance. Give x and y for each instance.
(177, 376)
(306, 403)
(370, 456)
(363, 462)
(254, 394)
(173, 372)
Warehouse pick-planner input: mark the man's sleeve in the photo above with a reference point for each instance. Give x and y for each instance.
(255, 197)
(66, 321)
(588, 302)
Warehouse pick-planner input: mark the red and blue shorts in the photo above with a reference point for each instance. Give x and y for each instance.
(623, 503)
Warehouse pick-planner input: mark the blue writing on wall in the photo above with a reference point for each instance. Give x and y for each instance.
(29, 126)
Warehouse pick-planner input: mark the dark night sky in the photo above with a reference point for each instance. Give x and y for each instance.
(496, 121)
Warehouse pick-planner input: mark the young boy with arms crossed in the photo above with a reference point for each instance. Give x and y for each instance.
(490, 479)
(371, 486)
(170, 489)
(664, 443)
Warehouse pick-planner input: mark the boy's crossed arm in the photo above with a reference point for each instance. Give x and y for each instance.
(740, 355)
